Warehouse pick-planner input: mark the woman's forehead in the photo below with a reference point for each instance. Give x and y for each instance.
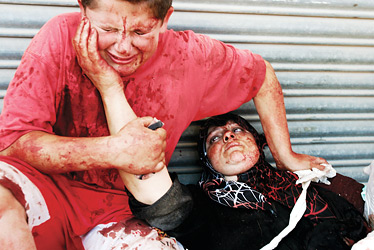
(228, 124)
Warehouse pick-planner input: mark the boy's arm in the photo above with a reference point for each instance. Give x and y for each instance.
(54, 154)
(269, 103)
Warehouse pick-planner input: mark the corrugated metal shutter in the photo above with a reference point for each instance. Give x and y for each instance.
(322, 51)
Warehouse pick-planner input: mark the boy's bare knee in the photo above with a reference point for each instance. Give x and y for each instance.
(13, 219)
(9, 204)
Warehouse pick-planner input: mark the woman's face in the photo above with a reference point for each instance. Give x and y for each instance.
(127, 33)
(231, 149)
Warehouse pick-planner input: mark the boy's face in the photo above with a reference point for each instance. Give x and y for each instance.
(231, 149)
(127, 33)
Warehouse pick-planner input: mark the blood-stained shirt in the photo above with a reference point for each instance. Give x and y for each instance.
(190, 76)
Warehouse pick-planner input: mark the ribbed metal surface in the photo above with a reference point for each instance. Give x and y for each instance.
(322, 51)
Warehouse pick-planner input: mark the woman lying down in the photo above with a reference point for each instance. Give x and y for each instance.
(243, 203)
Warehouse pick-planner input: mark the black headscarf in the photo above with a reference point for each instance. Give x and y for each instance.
(258, 187)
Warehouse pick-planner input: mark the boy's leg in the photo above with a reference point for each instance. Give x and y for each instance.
(25, 219)
(14, 230)
(128, 234)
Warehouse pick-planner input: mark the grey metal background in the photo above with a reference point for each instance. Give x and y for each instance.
(322, 51)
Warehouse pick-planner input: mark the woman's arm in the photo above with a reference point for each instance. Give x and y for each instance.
(150, 189)
(119, 113)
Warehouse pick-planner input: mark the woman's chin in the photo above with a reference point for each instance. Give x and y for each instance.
(237, 157)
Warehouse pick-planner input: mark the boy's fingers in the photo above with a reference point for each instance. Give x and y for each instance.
(92, 45)
(84, 39)
(317, 163)
(77, 37)
(146, 120)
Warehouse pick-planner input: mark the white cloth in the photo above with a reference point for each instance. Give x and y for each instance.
(369, 193)
(316, 175)
(305, 178)
(128, 234)
(36, 207)
(366, 243)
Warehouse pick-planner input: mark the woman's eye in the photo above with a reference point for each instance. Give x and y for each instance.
(214, 139)
(237, 130)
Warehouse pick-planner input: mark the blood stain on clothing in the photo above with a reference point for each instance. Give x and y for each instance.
(109, 231)
(96, 213)
(109, 199)
(184, 35)
(128, 226)
(135, 224)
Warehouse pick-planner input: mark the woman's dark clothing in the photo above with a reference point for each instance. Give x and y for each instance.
(198, 222)
(250, 212)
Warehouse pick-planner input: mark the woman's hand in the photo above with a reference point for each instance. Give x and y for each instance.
(105, 78)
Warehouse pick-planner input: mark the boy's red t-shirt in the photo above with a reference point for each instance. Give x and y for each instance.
(190, 76)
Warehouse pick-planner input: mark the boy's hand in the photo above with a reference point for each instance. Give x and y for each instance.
(296, 161)
(105, 78)
(136, 149)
